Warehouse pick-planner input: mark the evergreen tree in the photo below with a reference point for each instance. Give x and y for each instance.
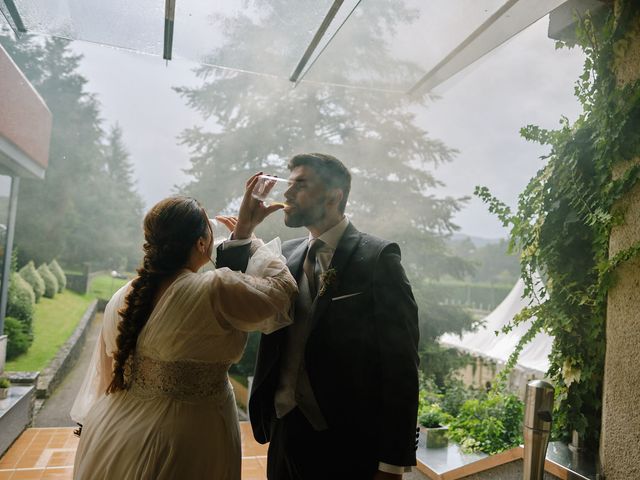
(127, 206)
(75, 213)
(255, 123)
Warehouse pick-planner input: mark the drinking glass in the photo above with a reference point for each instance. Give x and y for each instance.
(270, 190)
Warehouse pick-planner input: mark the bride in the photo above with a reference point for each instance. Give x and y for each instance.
(156, 402)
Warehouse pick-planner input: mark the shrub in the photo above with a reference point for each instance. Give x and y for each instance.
(33, 278)
(456, 394)
(433, 417)
(20, 302)
(18, 341)
(4, 382)
(50, 282)
(489, 425)
(59, 274)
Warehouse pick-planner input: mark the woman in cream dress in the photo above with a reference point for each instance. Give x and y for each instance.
(167, 341)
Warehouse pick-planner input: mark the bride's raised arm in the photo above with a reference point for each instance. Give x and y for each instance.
(259, 299)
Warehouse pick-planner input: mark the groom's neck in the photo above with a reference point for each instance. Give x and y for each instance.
(325, 224)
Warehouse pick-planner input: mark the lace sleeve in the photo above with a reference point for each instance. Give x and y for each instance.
(260, 299)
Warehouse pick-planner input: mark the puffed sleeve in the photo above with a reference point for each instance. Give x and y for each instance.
(100, 369)
(261, 298)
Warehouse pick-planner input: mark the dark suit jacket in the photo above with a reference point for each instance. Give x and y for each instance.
(361, 355)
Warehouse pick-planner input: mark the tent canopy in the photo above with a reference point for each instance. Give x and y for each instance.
(485, 343)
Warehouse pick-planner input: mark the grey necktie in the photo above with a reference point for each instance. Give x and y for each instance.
(310, 265)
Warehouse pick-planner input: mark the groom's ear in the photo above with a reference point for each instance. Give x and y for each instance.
(335, 197)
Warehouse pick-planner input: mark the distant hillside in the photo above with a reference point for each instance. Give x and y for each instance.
(477, 241)
(493, 264)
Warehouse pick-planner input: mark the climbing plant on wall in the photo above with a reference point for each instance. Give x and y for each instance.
(565, 215)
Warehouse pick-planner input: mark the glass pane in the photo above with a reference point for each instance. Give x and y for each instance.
(388, 46)
(229, 34)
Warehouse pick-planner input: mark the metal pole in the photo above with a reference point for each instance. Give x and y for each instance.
(537, 427)
(8, 250)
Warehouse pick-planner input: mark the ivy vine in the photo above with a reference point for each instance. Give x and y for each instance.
(565, 216)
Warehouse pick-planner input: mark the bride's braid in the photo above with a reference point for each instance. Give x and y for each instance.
(171, 229)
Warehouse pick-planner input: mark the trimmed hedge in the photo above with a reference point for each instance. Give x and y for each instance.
(19, 340)
(50, 282)
(59, 274)
(20, 301)
(33, 278)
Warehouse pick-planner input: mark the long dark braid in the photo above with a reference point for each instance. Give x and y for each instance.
(171, 229)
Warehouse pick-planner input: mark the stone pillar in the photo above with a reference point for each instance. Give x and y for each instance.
(620, 439)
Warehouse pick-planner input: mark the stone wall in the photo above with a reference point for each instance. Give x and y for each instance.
(620, 440)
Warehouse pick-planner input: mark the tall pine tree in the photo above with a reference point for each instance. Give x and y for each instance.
(72, 214)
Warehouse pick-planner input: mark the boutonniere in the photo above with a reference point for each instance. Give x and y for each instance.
(327, 278)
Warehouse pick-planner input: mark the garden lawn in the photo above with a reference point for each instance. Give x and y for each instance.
(54, 322)
(104, 286)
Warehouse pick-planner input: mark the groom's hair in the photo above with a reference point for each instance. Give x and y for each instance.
(331, 171)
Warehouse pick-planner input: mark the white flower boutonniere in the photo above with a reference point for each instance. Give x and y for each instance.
(327, 278)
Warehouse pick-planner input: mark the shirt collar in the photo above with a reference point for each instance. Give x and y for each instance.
(332, 236)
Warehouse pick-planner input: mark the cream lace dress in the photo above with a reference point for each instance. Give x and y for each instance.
(178, 419)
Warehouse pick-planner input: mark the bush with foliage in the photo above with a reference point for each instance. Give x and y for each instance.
(433, 417)
(4, 382)
(19, 340)
(33, 278)
(20, 302)
(456, 394)
(57, 271)
(490, 425)
(50, 282)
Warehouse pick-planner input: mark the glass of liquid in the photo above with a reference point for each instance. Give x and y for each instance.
(270, 190)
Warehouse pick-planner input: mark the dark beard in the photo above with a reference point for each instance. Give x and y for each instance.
(303, 218)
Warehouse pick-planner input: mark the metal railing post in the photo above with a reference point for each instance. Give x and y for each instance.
(537, 427)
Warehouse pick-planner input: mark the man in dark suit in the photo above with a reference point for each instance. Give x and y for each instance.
(336, 393)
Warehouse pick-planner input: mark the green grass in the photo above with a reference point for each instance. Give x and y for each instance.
(54, 321)
(103, 286)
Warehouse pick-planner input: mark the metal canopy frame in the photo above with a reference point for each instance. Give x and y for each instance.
(169, 17)
(476, 47)
(488, 36)
(16, 24)
(333, 10)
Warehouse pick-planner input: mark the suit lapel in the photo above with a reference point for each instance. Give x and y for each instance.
(348, 243)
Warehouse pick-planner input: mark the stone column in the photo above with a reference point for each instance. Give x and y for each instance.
(620, 440)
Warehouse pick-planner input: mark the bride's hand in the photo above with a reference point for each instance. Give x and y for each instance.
(252, 211)
(228, 221)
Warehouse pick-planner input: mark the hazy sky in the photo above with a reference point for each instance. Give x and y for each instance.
(479, 113)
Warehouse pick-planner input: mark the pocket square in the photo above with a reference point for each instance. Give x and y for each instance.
(342, 297)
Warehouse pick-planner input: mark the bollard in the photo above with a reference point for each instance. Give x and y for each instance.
(537, 427)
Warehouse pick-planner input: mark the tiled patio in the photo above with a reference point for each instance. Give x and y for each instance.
(47, 453)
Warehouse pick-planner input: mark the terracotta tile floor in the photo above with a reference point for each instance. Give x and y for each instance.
(47, 453)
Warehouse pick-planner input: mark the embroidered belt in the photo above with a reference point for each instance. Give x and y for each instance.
(180, 380)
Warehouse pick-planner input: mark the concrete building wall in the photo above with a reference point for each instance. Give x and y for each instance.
(620, 441)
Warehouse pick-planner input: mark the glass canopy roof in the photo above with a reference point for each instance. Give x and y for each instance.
(419, 44)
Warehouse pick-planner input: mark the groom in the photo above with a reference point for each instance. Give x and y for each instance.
(336, 393)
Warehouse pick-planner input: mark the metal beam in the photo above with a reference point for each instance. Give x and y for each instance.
(316, 39)
(17, 24)
(169, 15)
(518, 15)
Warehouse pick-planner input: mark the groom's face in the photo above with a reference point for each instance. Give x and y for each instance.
(306, 198)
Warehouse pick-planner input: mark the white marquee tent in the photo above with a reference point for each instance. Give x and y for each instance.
(485, 343)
